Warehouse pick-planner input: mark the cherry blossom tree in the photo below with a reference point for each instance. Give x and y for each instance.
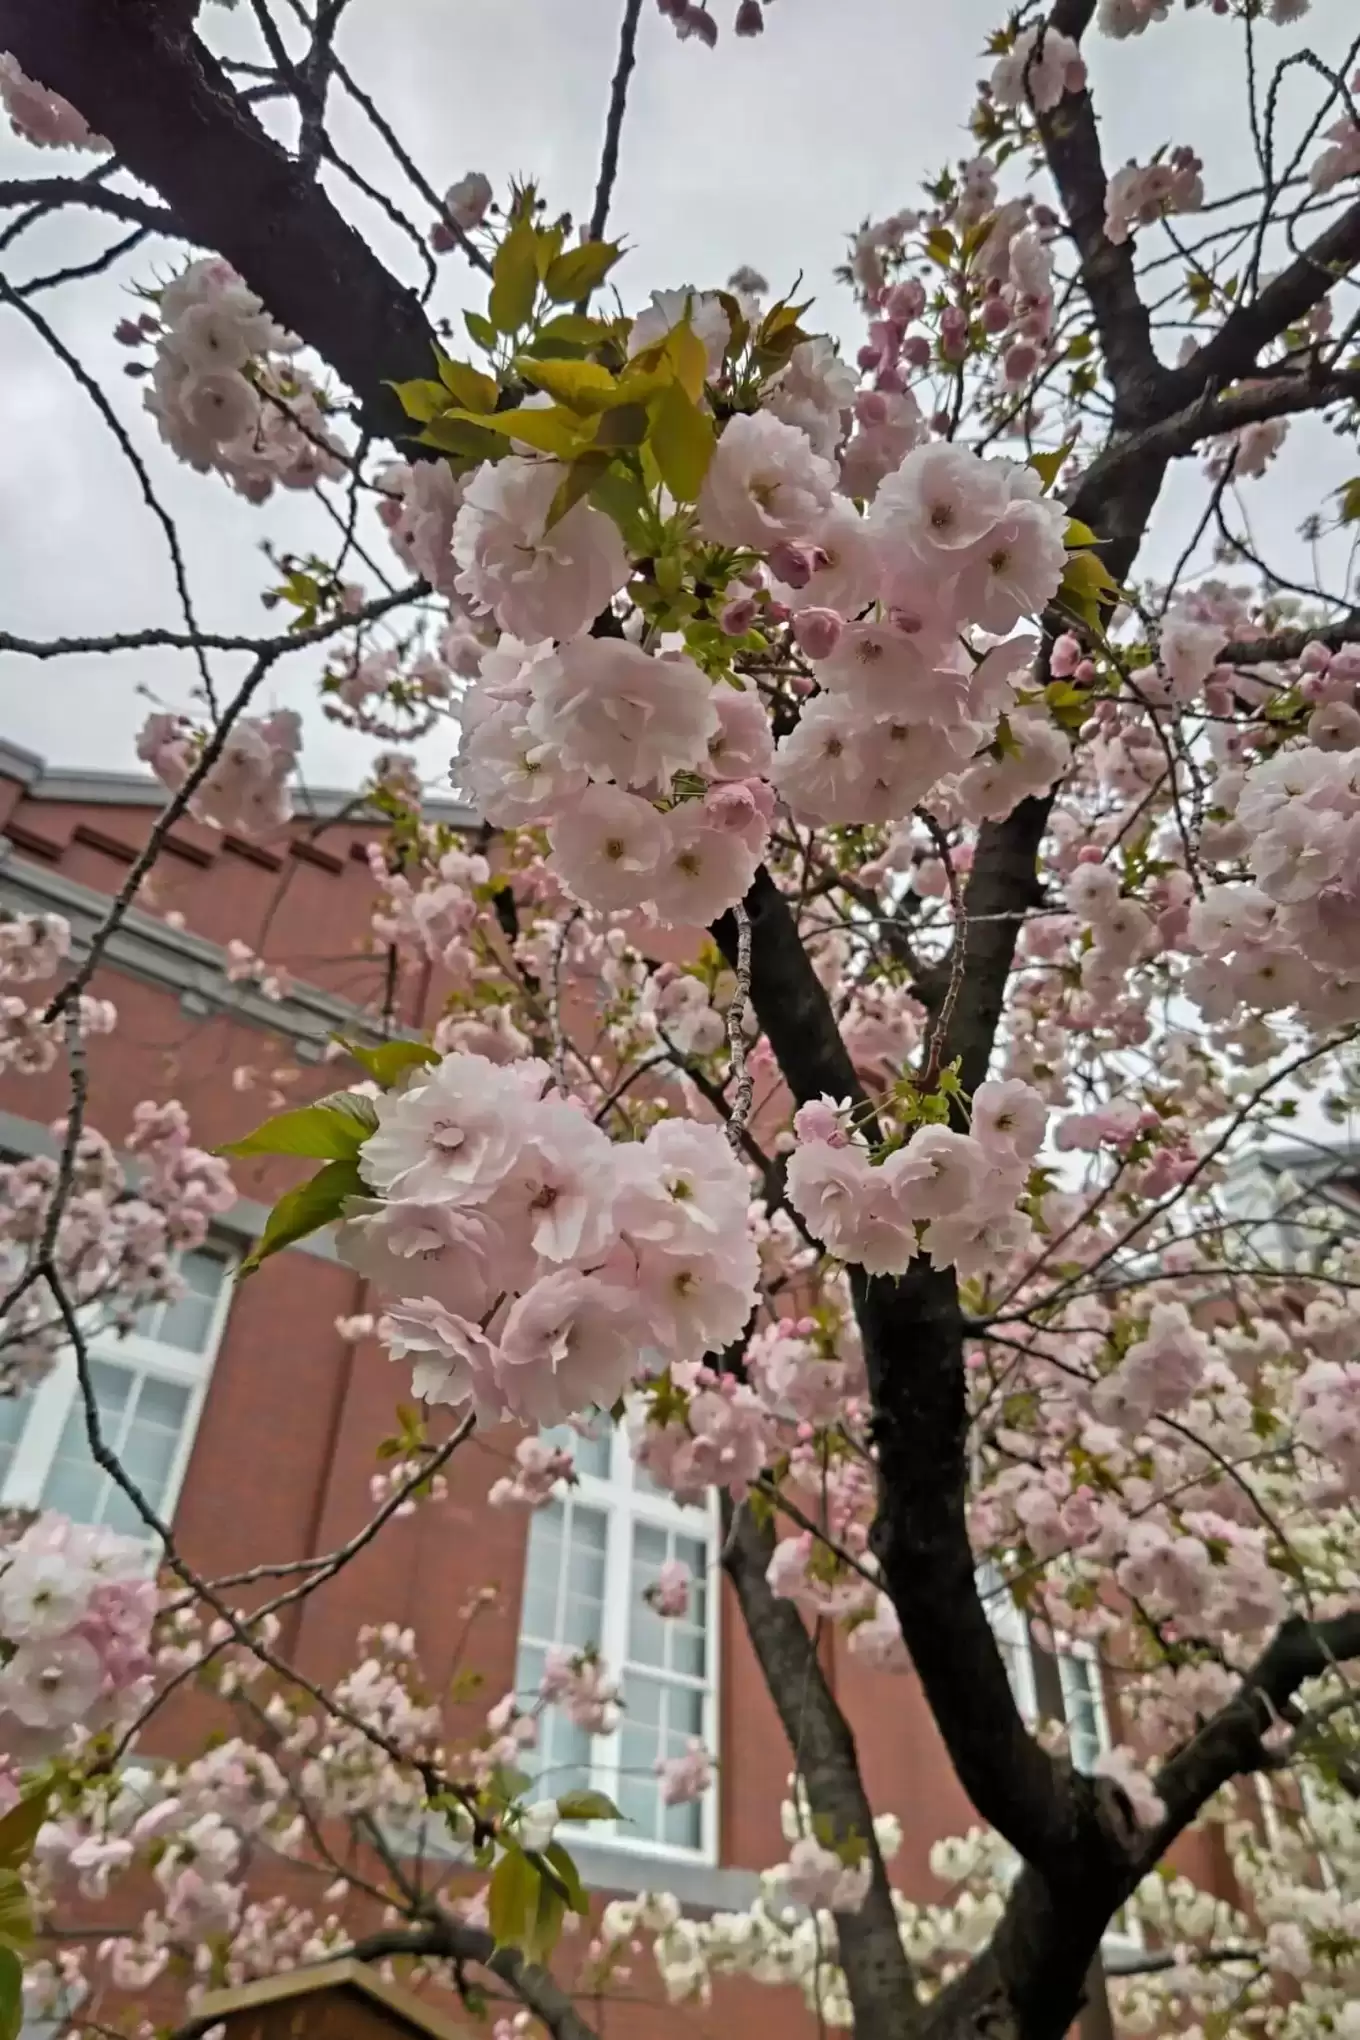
(1015, 884)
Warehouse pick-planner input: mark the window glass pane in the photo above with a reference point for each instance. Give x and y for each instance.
(188, 1322)
(14, 1411)
(590, 1450)
(151, 1439)
(141, 1419)
(541, 1570)
(583, 1608)
(1081, 1704)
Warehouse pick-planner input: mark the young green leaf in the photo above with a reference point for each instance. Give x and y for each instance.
(16, 1913)
(552, 430)
(587, 1805)
(545, 1927)
(512, 1899)
(583, 386)
(682, 442)
(581, 477)
(467, 385)
(331, 1130)
(304, 1210)
(466, 437)
(421, 399)
(11, 1994)
(514, 279)
(480, 329)
(580, 271)
(564, 1867)
(19, 1829)
(390, 1061)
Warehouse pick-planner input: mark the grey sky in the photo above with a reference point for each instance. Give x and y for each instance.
(764, 152)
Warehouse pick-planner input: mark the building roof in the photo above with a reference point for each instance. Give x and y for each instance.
(135, 789)
(346, 1978)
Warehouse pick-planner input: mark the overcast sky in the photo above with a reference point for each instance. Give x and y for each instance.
(764, 152)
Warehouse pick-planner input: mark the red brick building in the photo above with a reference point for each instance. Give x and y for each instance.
(251, 1422)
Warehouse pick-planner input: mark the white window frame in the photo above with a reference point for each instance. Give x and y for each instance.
(624, 1505)
(58, 1393)
(1125, 1933)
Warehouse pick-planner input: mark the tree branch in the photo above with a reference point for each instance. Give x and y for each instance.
(1282, 646)
(1072, 146)
(57, 191)
(882, 1988)
(171, 114)
(1234, 348)
(1230, 1742)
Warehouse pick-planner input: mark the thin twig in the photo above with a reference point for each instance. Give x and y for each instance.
(744, 1088)
(618, 102)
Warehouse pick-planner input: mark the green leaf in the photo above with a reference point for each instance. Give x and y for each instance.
(458, 433)
(550, 429)
(581, 477)
(1048, 466)
(514, 279)
(1078, 534)
(467, 385)
(583, 386)
(333, 1129)
(580, 271)
(682, 441)
(313, 1204)
(391, 1060)
(1088, 587)
(512, 1899)
(625, 425)
(545, 1928)
(11, 1994)
(1349, 498)
(421, 399)
(16, 1916)
(565, 1867)
(576, 328)
(19, 1828)
(480, 329)
(587, 1805)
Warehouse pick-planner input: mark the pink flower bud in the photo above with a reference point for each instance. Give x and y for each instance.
(738, 616)
(1090, 853)
(750, 20)
(1084, 672)
(871, 408)
(1063, 659)
(905, 302)
(891, 379)
(818, 1119)
(816, 632)
(1020, 362)
(916, 351)
(790, 564)
(996, 315)
(128, 333)
(867, 357)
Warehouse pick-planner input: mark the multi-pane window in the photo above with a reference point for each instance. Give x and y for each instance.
(1083, 1703)
(592, 1557)
(148, 1390)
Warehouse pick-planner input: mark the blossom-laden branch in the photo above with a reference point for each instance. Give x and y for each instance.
(742, 635)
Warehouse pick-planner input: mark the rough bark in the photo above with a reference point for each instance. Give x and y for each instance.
(879, 1976)
(141, 77)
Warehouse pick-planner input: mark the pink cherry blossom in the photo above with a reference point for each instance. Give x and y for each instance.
(540, 582)
(764, 484)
